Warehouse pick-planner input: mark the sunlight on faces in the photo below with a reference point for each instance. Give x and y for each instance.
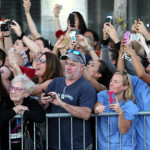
(73, 69)
(116, 84)
(93, 67)
(18, 46)
(17, 92)
(40, 66)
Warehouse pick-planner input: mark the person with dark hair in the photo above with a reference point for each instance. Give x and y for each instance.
(43, 43)
(48, 67)
(7, 75)
(2, 57)
(79, 22)
(94, 36)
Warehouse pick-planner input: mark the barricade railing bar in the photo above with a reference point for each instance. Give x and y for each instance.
(67, 115)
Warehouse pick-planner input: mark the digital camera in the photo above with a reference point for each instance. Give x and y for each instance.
(6, 26)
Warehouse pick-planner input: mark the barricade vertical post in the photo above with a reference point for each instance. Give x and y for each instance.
(59, 138)
(22, 139)
(9, 135)
(132, 135)
(46, 133)
(144, 133)
(108, 132)
(96, 132)
(71, 133)
(34, 136)
(120, 142)
(83, 134)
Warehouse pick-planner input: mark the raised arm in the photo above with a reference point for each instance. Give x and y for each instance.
(142, 29)
(140, 70)
(56, 11)
(30, 44)
(31, 24)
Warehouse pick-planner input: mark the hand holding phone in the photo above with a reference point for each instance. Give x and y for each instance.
(46, 94)
(127, 37)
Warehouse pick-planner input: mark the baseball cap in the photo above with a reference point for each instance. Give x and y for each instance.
(74, 55)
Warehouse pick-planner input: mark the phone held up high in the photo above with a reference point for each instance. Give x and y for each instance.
(108, 20)
(72, 19)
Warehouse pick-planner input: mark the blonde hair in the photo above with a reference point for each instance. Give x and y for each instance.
(128, 93)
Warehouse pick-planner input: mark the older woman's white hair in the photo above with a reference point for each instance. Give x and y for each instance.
(29, 85)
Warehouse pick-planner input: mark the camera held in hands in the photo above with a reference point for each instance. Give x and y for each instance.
(6, 26)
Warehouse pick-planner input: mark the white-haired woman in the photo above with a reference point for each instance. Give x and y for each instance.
(20, 103)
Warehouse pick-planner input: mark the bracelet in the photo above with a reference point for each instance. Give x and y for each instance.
(21, 36)
(6, 35)
(90, 49)
(120, 113)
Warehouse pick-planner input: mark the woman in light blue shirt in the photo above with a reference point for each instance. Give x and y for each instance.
(126, 108)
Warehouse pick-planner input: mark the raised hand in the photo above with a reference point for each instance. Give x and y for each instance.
(116, 107)
(110, 30)
(16, 28)
(57, 10)
(27, 6)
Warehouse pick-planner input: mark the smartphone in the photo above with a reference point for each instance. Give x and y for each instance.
(111, 97)
(108, 20)
(77, 31)
(66, 40)
(127, 36)
(73, 36)
(134, 37)
(72, 19)
(46, 94)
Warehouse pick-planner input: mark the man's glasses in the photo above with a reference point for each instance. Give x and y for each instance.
(16, 89)
(76, 53)
(42, 61)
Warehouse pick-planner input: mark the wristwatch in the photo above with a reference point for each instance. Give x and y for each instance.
(90, 49)
(21, 36)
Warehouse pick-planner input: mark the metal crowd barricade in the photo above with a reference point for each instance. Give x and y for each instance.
(67, 115)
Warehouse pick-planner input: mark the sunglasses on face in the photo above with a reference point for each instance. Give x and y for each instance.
(16, 89)
(42, 61)
(76, 53)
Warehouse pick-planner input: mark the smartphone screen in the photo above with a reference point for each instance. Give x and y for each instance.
(134, 37)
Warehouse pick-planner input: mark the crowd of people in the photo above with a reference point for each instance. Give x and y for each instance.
(77, 75)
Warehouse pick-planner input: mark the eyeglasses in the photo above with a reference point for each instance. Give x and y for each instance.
(76, 53)
(16, 89)
(42, 61)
